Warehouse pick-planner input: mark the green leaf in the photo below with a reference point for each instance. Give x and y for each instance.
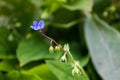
(104, 45)
(64, 71)
(43, 71)
(33, 49)
(5, 49)
(2, 76)
(79, 5)
(20, 75)
(40, 72)
(8, 65)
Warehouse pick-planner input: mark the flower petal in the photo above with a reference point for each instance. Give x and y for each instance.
(41, 24)
(35, 23)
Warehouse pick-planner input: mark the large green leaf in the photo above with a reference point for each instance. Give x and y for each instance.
(8, 65)
(104, 45)
(42, 71)
(79, 5)
(33, 49)
(64, 71)
(21, 75)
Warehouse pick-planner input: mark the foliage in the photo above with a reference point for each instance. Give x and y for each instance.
(90, 27)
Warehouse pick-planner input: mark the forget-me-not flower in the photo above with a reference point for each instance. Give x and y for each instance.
(38, 25)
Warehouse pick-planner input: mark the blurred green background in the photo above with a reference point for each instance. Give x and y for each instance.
(91, 27)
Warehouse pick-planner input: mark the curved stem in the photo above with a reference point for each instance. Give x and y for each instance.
(51, 40)
(44, 35)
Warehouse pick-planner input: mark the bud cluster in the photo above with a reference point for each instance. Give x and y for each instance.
(76, 69)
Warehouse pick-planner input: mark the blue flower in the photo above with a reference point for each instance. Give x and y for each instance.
(38, 25)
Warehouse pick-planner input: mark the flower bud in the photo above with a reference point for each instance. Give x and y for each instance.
(66, 47)
(51, 49)
(63, 58)
(75, 71)
(57, 48)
